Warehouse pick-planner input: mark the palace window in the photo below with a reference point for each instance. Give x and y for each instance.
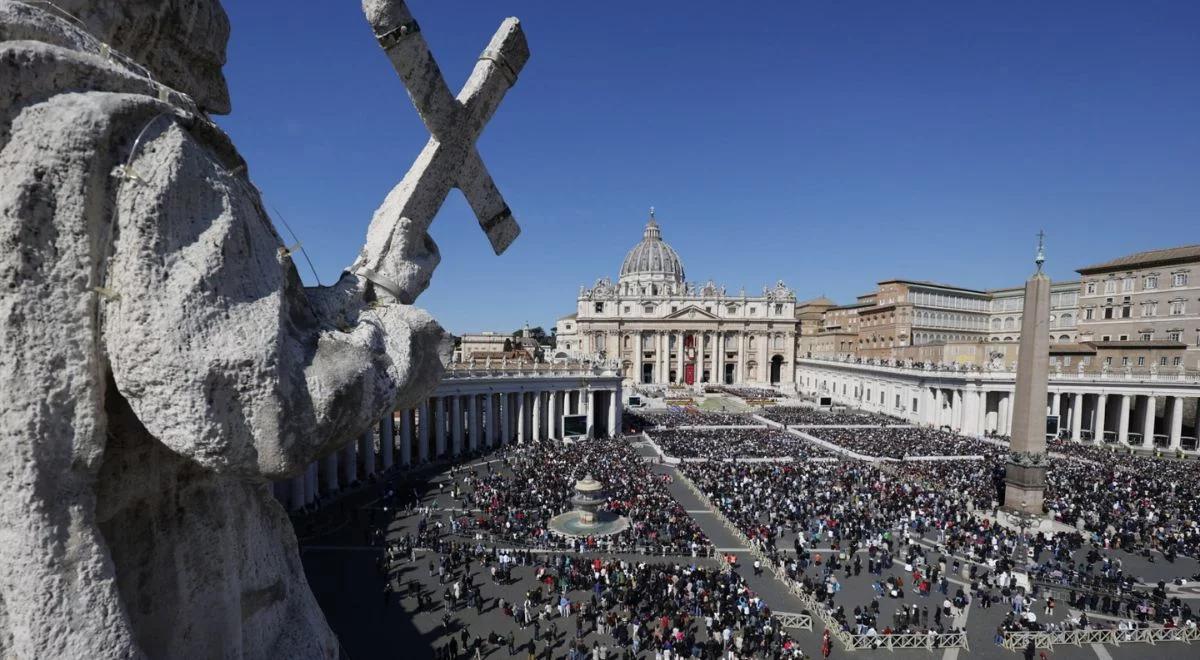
(1162, 362)
(1091, 288)
(1110, 286)
(649, 309)
(1175, 335)
(1147, 336)
(1141, 361)
(1127, 284)
(778, 309)
(1124, 337)
(1179, 279)
(599, 307)
(625, 309)
(1175, 362)
(1178, 307)
(1088, 314)
(1151, 282)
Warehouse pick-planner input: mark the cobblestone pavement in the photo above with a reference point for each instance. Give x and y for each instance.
(343, 570)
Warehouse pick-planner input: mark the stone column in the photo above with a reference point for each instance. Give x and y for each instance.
(1055, 405)
(406, 437)
(349, 462)
(660, 362)
(520, 408)
(505, 413)
(619, 410)
(1176, 428)
(981, 409)
(537, 416)
(591, 412)
(1002, 415)
(439, 426)
(1077, 416)
(714, 359)
(367, 451)
(614, 404)
(1101, 409)
(1123, 421)
(680, 357)
(474, 425)
(640, 354)
(387, 440)
(764, 358)
(329, 466)
(742, 360)
(956, 410)
(489, 420)
(969, 412)
(552, 417)
(456, 424)
(1148, 420)
(424, 431)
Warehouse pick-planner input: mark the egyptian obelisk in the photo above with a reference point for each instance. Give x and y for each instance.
(1025, 478)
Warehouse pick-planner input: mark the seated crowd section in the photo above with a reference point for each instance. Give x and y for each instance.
(734, 443)
(805, 416)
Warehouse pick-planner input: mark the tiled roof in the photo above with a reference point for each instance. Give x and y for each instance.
(1147, 258)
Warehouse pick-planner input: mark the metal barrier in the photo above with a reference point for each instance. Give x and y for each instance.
(1044, 639)
(927, 641)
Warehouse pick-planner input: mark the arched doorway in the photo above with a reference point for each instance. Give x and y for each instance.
(647, 373)
(776, 369)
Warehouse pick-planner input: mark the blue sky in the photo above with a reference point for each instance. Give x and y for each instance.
(828, 144)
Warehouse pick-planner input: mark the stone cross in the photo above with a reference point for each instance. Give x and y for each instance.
(449, 159)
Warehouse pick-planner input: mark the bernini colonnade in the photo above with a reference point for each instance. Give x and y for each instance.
(471, 410)
(1148, 410)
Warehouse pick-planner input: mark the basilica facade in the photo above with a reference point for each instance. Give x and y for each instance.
(663, 329)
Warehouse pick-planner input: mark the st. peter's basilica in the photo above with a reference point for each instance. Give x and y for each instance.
(664, 329)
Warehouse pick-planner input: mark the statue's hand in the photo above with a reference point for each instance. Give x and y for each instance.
(400, 267)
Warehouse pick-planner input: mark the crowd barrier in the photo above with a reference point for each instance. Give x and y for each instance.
(1019, 640)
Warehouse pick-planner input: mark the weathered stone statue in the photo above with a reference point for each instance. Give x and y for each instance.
(161, 361)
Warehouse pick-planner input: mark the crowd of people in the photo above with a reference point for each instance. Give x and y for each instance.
(898, 442)
(805, 416)
(512, 501)
(674, 417)
(744, 392)
(733, 443)
(593, 607)
(852, 506)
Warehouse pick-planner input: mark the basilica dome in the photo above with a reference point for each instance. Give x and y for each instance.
(652, 260)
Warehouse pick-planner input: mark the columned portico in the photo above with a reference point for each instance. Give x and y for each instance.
(1160, 413)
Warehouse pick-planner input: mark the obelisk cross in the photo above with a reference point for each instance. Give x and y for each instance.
(449, 159)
